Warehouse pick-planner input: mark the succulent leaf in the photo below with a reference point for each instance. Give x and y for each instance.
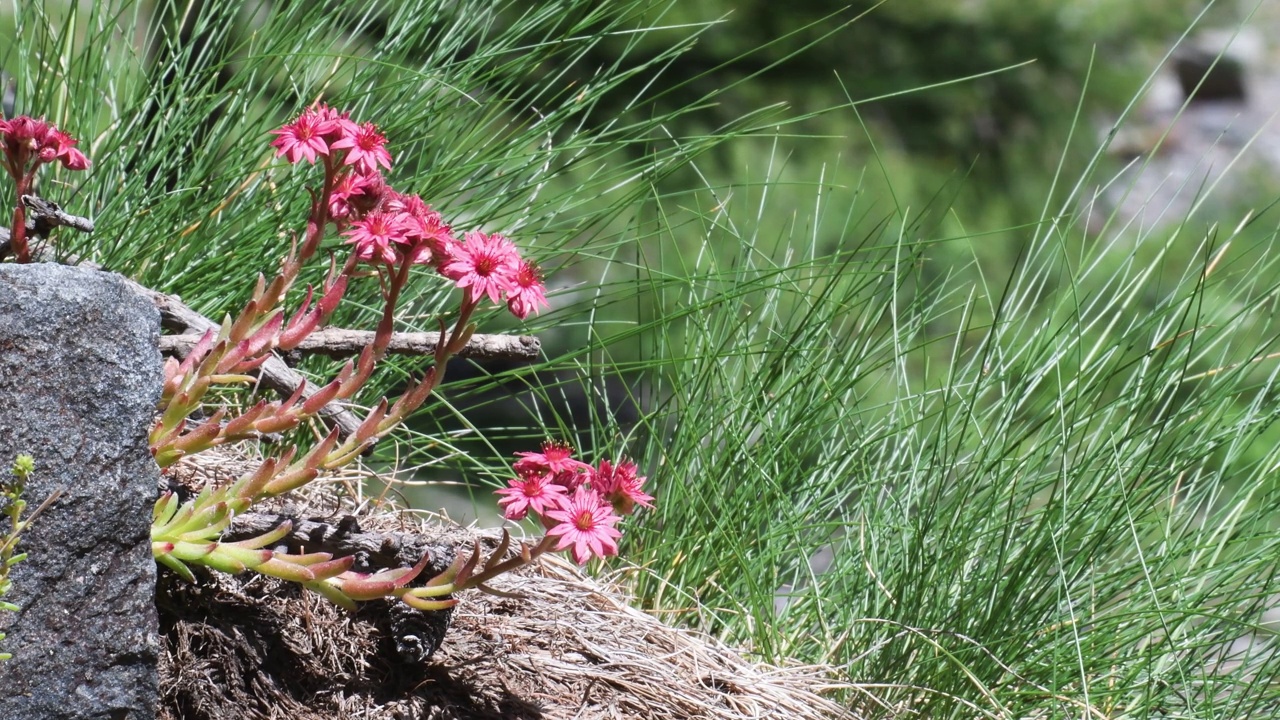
(175, 565)
(332, 593)
(267, 538)
(191, 551)
(418, 603)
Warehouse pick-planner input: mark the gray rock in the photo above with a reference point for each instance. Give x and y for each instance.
(1216, 64)
(79, 380)
(1204, 76)
(1217, 154)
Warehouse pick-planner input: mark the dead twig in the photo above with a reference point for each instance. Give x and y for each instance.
(46, 215)
(42, 217)
(341, 538)
(343, 342)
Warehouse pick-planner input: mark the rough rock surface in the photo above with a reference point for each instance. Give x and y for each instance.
(79, 379)
(1217, 151)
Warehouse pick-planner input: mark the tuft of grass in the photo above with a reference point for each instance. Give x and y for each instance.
(982, 490)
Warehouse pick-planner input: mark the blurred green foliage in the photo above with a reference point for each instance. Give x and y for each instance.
(1028, 61)
(954, 114)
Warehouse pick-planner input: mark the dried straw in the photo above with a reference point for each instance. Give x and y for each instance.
(569, 647)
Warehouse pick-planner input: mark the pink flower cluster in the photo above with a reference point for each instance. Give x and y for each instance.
(28, 143)
(575, 502)
(387, 227)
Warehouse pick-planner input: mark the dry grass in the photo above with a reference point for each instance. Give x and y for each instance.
(569, 647)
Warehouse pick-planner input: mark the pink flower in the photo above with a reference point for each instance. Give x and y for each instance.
(375, 236)
(482, 265)
(26, 131)
(529, 492)
(24, 139)
(74, 160)
(571, 479)
(365, 148)
(620, 486)
(354, 194)
(341, 120)
(529, 291)
(555, 458)
(425, 229)
(587, 524)
(310, 135)
(401, 203)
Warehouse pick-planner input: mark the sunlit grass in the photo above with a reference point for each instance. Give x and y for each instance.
(982, 460)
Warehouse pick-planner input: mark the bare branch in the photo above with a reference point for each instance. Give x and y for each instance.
(44, 216)
(342, 342)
